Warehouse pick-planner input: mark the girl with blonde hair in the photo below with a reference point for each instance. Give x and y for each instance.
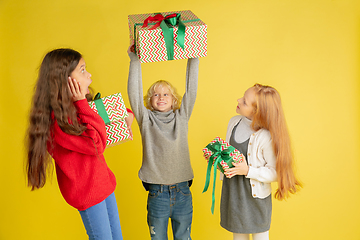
(261, 134)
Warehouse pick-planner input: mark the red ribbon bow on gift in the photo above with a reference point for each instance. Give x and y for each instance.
(158, 18)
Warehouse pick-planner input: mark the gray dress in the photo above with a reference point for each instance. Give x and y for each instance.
(240, 212)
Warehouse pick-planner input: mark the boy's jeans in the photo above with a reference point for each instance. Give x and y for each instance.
(101, 221)
(170, 201)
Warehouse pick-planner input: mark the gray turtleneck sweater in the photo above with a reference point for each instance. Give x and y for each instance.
(166, 158)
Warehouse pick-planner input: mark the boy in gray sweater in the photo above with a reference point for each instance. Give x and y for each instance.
(166, 170)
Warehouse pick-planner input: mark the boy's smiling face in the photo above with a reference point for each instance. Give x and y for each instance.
(162, 99)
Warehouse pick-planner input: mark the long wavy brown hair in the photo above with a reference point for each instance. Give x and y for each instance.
(270, 115)
(51, 95)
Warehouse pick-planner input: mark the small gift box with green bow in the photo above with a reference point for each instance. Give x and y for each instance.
(221, 155)
(168, 36)
(113, 111)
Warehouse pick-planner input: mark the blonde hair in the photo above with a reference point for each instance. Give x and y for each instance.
(162, 83)
(268, 114)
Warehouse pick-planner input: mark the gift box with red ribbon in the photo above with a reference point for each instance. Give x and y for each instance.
(168, 36)
(113, 111)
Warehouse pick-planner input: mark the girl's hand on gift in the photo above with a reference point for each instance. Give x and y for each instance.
(240, 168)
(75, 90)
(129, 121)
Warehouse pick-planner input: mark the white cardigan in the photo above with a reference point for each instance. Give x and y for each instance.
(261, 160)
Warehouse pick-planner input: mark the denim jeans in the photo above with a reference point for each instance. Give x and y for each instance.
(170, 201)
(101, 221)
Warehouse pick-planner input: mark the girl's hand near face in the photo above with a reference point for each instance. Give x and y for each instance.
(75, 90)
(240, 168)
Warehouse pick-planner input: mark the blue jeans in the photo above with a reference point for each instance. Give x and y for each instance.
(170, 201)
(101, 221)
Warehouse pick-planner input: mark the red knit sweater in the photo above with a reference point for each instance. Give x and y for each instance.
(83, 176)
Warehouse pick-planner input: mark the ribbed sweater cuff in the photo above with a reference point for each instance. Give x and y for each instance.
(82, 106)
(133, 56)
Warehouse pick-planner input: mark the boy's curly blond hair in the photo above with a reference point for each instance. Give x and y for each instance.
(162, 83)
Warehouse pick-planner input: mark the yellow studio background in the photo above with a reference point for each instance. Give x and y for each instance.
(307, 49)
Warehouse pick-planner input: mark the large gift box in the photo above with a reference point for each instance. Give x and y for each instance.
(168, 36)
(221, 155)
(113, 111)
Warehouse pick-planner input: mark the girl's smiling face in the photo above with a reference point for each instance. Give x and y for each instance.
(162, 99)
(82, 76)
(245, 104)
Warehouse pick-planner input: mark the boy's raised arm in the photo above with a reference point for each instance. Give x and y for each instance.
(135, 90)
(192, 72)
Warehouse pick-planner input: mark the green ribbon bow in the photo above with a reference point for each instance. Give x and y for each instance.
(218, 155)
(167, 26)
(101, 108)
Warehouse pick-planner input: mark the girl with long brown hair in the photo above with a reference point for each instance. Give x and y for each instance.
(259, 133)
(63, 127)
